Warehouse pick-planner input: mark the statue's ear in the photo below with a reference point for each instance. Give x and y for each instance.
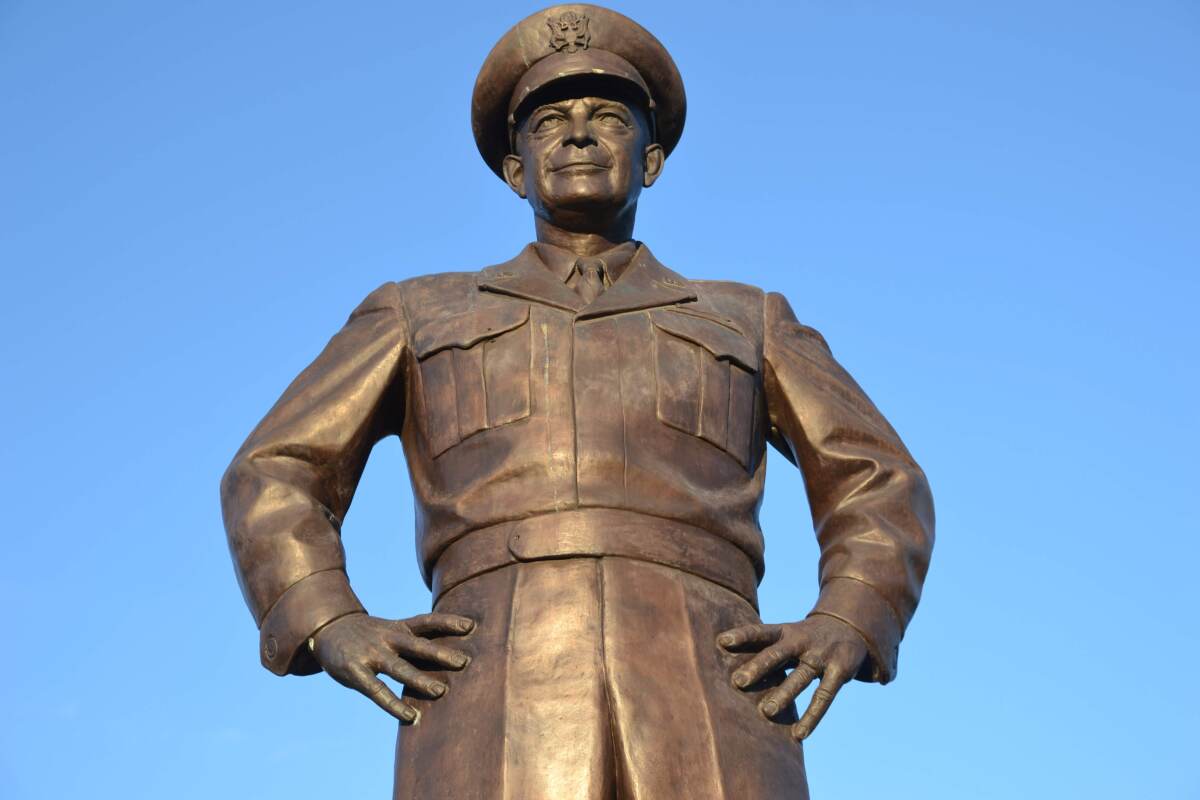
(654, 159)
(514, 174)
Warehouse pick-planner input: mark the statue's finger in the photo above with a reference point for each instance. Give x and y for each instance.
(781, 697)
(385, 698)
(834, 679)
(400, 670)
(437, 623)
(772, 658)
(750, 635)
(415, 647)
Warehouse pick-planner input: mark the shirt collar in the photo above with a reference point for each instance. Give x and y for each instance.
(561, 261)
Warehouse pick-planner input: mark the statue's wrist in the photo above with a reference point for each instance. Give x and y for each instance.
(305, 608)
(312, 639)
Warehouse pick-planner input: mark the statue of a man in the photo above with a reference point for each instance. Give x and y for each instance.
(585, 431)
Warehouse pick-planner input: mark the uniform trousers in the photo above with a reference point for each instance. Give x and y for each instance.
(597, 679)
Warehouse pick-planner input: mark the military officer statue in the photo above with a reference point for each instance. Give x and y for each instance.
(585, 431)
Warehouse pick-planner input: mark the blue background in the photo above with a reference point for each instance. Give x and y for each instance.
(991, 210)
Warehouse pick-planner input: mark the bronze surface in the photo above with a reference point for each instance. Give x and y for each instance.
(585, 431)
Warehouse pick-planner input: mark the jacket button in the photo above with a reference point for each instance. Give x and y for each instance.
(271, 648)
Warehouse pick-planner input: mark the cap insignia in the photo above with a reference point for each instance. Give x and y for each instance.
(569, 32)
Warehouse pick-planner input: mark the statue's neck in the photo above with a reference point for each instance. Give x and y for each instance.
(585, 242)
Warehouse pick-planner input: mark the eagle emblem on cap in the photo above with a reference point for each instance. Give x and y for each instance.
(569, 32)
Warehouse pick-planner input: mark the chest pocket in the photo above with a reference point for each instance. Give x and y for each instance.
(707, 381)
(475, 372)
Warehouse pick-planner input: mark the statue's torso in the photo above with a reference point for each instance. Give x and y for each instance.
(646, 401)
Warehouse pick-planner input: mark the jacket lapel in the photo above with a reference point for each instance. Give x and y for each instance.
(525, 276)
(645, 284)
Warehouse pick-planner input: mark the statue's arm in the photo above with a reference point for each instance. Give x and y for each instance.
(873, 516)
(871, 504)
(289, 486)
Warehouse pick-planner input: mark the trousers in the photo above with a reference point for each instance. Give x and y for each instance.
(596, 678)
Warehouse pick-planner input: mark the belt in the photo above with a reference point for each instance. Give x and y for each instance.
(597, 532)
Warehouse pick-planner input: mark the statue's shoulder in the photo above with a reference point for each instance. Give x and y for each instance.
(730, 291)
(740, 302)
(430, 297)
(436, 286)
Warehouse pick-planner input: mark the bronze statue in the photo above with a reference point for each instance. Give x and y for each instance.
(585, 431)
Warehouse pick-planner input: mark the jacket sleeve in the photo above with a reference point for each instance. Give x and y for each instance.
(871, 505)
(291, 483)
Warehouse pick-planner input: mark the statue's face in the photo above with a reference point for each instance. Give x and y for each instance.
(584, 154)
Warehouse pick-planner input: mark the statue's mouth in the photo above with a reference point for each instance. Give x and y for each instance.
(580, 166)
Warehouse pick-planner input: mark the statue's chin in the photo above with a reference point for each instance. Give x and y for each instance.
(569, 207)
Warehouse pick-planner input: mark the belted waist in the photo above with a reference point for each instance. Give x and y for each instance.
(596, 532)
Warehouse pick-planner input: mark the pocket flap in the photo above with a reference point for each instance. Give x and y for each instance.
(468, 328)
(724, 343)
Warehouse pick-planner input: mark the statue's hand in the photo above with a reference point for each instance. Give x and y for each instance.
(820, 646)
(356, 648)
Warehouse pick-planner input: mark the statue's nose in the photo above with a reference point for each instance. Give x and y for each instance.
(579, 133)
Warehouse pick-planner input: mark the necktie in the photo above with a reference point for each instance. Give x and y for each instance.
(591, 278)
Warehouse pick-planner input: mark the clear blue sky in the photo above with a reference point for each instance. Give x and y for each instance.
(991, 210)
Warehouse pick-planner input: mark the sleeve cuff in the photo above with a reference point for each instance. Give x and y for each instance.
(301, 611)
(863, 608)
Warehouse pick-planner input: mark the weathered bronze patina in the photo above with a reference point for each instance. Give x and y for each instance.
(585, 431)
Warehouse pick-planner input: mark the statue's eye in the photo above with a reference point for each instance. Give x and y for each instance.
(611, 119)
(547, 122)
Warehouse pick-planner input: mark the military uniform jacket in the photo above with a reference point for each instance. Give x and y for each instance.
(514, 400)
